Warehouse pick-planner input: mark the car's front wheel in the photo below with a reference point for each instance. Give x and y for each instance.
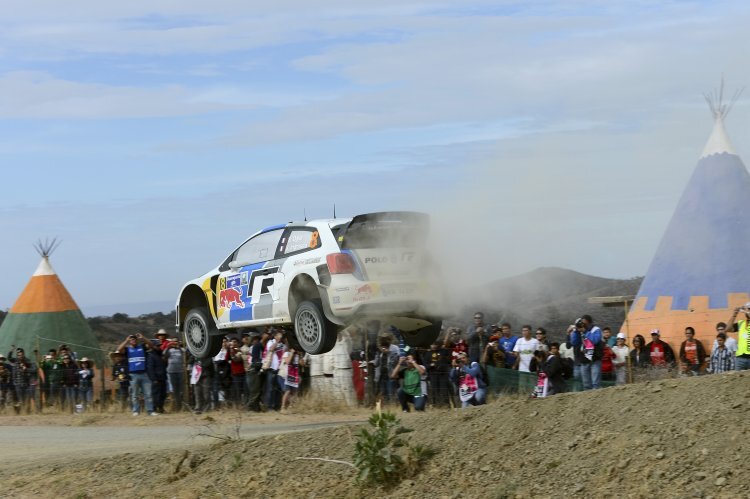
(201, 336)
(313, 332)
(424, 337)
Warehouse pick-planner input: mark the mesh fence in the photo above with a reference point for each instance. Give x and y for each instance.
(503, 381)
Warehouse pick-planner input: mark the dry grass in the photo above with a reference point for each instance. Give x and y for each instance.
(317, 403)
(87, 419)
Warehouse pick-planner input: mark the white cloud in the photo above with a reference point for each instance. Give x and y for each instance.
(557, 120)
(25, 94)
(474, 70)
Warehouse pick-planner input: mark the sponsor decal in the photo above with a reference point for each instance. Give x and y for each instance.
(261, 281)
(398, 290)
(336, 300)
(343, 290)
(230, 296)
(230, 291)
(308, 261)
(394, 258)
(366, 291)
(236, 280)
(314, 240)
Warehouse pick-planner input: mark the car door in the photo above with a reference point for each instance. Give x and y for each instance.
(244, 287)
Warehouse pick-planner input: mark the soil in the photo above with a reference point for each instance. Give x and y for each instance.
(672, 438)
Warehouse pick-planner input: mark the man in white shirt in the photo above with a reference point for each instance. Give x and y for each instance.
(272, 354)
(524, 349)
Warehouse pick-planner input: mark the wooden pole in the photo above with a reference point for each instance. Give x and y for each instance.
(104, 388)
(627, 338)
(40, 380)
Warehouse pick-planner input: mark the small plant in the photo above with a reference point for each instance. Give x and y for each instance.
(376, 453)
(226, 434)
(417, 457)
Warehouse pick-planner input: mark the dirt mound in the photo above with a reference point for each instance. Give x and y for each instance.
(671, 438)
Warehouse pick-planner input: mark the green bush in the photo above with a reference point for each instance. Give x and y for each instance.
(377, 455)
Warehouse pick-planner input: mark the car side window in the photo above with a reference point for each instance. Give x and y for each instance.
(301, 239)
(261, 248)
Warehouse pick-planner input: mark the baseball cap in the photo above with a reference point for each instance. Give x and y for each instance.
(161, 332)
(621, 336)
(655, 332)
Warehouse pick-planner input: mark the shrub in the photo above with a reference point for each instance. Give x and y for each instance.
(377, 455)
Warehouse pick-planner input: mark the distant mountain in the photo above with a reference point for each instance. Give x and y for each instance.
(549, 297)
(111, 331)
(133, 309)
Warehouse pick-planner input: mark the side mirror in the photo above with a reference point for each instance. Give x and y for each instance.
(234, 265)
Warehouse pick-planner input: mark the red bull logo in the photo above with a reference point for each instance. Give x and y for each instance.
(366, 291)
(229, 296)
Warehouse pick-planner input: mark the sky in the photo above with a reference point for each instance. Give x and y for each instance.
(153, 137)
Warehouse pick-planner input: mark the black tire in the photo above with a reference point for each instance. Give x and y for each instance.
(424, 337)
(202, 339)
(313, 332)
(291, 338)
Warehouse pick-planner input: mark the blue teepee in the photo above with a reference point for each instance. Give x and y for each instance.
(697, 274)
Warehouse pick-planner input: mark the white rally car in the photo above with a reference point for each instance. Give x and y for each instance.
(314, 278)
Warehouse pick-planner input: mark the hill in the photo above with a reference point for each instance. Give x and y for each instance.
(110, 331)
(549, 297)
(671, 438)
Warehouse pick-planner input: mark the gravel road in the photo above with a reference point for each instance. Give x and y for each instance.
(22, 445)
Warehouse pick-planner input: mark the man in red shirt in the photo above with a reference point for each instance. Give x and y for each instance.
(662, 355)
(237, 370)
(608, 366)
(692, 353)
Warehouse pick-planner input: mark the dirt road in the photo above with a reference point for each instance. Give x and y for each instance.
(55, 441)
(24, 444)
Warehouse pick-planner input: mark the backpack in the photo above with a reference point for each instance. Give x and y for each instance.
(567, 368)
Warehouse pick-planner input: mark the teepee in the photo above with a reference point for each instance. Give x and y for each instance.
(698, 273)
(45, 316)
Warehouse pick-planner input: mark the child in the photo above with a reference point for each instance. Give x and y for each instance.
(120, 374)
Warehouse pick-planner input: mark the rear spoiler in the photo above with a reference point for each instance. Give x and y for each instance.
(361, 224)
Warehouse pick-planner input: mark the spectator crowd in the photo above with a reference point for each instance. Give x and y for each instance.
(264, 371)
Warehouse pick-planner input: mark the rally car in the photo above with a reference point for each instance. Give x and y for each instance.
(314, 278)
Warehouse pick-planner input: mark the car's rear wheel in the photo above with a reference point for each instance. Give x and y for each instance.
(424, 337)
(313, 332)
(201, 336)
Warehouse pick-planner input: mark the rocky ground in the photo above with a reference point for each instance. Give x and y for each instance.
(673, 438)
